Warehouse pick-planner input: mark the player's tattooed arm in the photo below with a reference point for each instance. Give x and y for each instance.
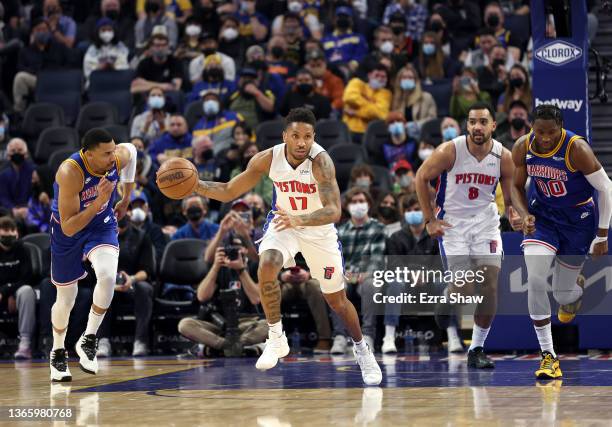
(324, 172)
(258, 166)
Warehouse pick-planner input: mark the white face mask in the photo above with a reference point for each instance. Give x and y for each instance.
(358, 210)
(229, 34)
(156, 102)
(107, 36)
(295, 6)
(425, 153)
(138, 215)
(193, 30)
(386, 47)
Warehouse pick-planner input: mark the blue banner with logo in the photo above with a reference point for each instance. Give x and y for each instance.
(561, 63)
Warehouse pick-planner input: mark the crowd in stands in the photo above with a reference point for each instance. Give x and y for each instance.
(393, 77)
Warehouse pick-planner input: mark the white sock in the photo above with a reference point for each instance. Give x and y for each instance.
(58, 339)
(94, 321)
(360, 346)
(390, 331)
(275, 330)
(451, 331)
(545, 338)
(479, 335)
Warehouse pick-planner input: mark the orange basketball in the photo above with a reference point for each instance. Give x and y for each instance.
(177, 178)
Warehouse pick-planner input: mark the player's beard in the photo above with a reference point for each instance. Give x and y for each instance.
(482, 138)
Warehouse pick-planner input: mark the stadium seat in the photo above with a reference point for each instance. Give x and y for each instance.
(39, 117)
(331, 132)
(61, 87)
(375, 136)
(193, 113)
(382, 177)
(110, 81)
(430, 130)
(35, 256)
(120, 133)
(43, 242)
(269, 133)
(441, 90)
(122, 100)
(58, 157)
(96, 114)
(175, 100)
(345, 156)
(54, 139)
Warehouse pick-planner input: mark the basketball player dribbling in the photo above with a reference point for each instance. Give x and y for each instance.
(466, 222)
(306, 204)
(83, 223)
(558, 219)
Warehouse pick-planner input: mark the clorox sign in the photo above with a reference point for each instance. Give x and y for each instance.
(558, 53)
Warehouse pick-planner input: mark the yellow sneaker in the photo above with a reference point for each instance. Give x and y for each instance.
(567, 312)
(549, 367)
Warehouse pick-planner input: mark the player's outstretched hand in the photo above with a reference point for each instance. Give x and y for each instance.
(529, 225)
(516, 222)
(435, 227)
(282, 220)
(105, 190)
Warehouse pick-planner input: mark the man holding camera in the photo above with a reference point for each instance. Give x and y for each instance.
(229, 319)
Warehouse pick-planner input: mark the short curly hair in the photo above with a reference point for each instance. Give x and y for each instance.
(300, 115)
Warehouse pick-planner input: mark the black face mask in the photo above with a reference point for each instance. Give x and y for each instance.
(152, 7)
(277, 52)
(397, 30)
(112, 14)
(256, 213)
(517, 123)
(8, 241)
(493, 21)
(498, 63)
(194, 214)
(206, 155)
(17, 158)
(436, 26)
(388, 213)
(304, 88)
(518, 82)
(209, 51)
(214, 75)
(343, 22)
(123, 222)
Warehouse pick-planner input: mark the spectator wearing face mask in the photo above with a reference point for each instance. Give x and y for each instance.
(432, 62)
(403, 139)
(189, 47)
(344, 47)
(256, 59)
(175, 142)
(205, 11)
(466, 91)
(479, 57)
(426, 149)
(253, 24)
(363, 248)
(403, 45)
(365, 102)
(217, 122)
(449, 129)
(308, 11)
(275, 58)
(16, 293)
(195, 209)
(253, 100)
(106, 52)
(231, 42)
(16, 180)
(410, 99)
(155, 120)
(213, 78)
(265, 186)
(303, 95)
(384, 52)
(140, 217)
(293, 33)
(463, 19)
(362, 176)
(62, 28)
(123, 24)
(403, 177)
(209, 47)
(492, 77)
(518, 121)
(154, 15)
(517, 89)
(437, 25)
(39, 206)
(387, 214)
(258, 210)
(326, 83)
(159, 68)
(415, 15)
(494, 20)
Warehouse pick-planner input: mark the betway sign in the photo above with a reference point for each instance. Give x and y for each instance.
(564, 104)
(558, 53)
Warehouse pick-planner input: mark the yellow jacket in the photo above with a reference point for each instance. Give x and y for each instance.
(362, 104)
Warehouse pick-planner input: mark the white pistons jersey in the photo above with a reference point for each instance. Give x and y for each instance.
(296, 190)
(468, 189)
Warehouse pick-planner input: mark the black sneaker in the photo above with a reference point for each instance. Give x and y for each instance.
(59, 366)
(479, 360)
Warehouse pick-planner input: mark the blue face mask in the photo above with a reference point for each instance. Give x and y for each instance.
(407, 84)
(413, 218)
(2, 132)
(396, 128)
(449, 133)
(429, 49)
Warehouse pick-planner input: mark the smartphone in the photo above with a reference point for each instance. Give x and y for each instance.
(246, 216)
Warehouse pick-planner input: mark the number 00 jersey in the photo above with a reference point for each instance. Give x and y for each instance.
(296, 190)
(468, 188)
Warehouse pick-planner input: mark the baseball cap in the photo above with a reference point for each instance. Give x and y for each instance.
(139, 194)
(240, 202)
(314, 55)
(344, 10)
(401, 164)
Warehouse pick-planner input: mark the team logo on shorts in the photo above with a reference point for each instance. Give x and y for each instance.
(584, 215)
(493, 246)
(329, 271)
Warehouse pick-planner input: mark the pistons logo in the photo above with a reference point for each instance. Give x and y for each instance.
(328, 272)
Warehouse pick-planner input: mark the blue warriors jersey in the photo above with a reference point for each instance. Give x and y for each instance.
(556, 183)
(105, 218)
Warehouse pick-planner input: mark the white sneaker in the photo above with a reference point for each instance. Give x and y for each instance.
(140, 349)
(104, 348)
(454, 342)
(86, 348)
(275, 349)
(369, 341)
(339, 345)
(58, 362)
(370, 371)
(388, 345)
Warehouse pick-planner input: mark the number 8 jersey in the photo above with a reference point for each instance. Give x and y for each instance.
(468, 188)
(556, 182)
